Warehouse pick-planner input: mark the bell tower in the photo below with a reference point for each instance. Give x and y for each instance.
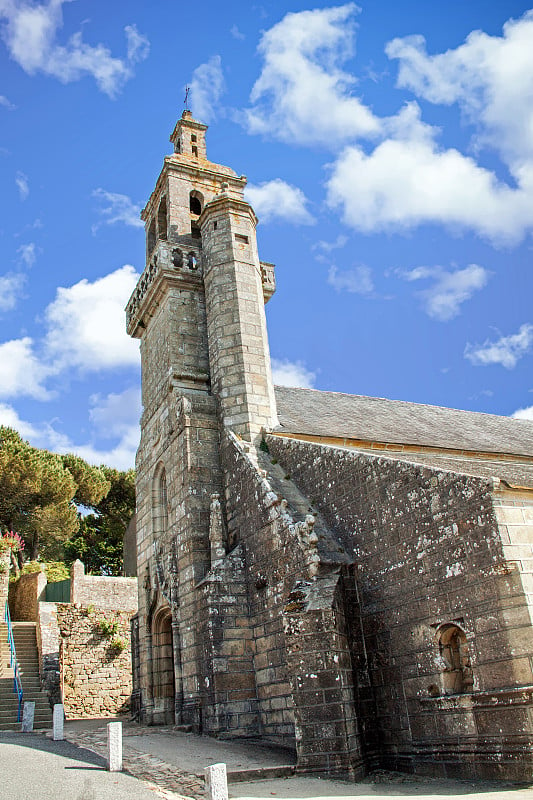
(198, 310)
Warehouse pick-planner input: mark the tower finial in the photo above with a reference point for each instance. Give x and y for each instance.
(186, 101)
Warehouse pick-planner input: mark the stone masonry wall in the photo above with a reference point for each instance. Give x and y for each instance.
(514, 512)
(95, 661)
(47, 631)
(428, 553)
(173, 557)
(24, 596)
(102, 591)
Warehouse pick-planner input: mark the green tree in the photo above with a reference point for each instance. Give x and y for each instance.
(98, 542)
(39, 491)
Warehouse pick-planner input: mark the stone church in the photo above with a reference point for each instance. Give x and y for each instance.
(349, 577)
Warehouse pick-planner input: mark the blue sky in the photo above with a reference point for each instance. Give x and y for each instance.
(389, 153)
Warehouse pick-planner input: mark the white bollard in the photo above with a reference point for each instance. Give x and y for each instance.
(28, 714)
(58, 722)
(216, 782)
(114, 746)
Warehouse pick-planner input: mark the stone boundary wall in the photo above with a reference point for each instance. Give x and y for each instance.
(101, 591)
(24, 596)
(95, 660)
(47, 631)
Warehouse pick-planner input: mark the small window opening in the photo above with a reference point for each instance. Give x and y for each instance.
(177, 146)
(457, 677)
(162, 219)
(193, 137)
(240, 238)
(177, 257)
(151, 236)
(192, 261)
(195, 204)
(215, 225)
(194, 150)
(159, 503)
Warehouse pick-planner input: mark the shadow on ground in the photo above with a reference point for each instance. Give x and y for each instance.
(38, 741)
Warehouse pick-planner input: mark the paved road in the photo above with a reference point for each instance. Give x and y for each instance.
(33, 767)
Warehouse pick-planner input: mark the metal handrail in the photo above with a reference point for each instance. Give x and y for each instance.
(17, 684)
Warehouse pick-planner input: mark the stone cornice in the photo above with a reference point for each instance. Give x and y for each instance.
(225, 202)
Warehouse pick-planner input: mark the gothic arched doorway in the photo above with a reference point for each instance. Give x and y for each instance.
(163, 679)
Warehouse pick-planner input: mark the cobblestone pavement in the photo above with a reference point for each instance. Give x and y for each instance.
(141, 765)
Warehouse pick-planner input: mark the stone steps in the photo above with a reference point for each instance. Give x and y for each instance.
(24, 636)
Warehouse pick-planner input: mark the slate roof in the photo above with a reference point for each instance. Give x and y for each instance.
(349, 416)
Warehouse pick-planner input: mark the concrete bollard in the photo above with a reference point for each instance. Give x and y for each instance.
(28, 715)
(114, 746)
(216, 782)
(58, 718)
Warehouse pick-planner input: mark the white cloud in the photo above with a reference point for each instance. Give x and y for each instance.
(30, 32)
(11, 419)
(277, 199)
(117, 208)
(488, 76)
(408, 178)
(28, 254)
(357, 280)
(207, 87)
(323, 249)
(21, 372)
(114, 417)
(443, 300)
(22, 185)
(86, 324)
(138, 46)
(303, 95)
(120, 455)
(6, 103)
(523, 413)
(404, 183)
(507, 350)
(328, 247)
(10, 288)
(114, 414)
(292, 373)
(236, 33)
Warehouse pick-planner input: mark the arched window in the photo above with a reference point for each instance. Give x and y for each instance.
(192, 261)
(159, 502)
(162, 219)
(151, 240)
(196, 202)
(457, 675)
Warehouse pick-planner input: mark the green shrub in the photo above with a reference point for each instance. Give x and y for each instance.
(107, 627)
(117, 645)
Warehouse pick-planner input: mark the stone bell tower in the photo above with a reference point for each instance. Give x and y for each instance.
(198, 311)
